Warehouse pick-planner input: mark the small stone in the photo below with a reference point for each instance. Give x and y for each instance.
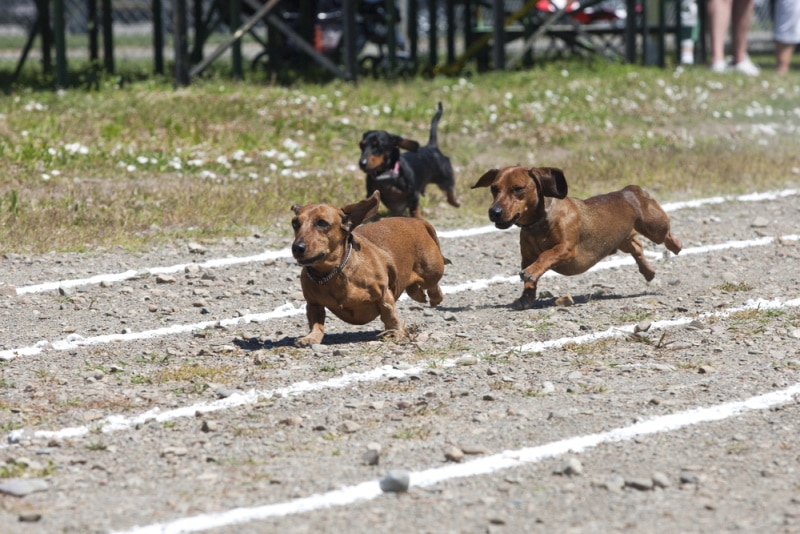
(574, 467)
(661, 480)
(20, 487)
(395, 481)
(706, 370)
(295, 420)
(350, 427)
(371, 457)
(641, 484)
(643, 325)
(165, 279)
(209, 426)
(29, 517)
(197, 248)
(453, 454)
(467, 359)
(615, 483)
(564, 301)
(759, 222)
(547, 388)
(473, 449)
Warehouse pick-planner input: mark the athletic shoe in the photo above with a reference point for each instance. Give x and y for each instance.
(747, 67)
(719, 66)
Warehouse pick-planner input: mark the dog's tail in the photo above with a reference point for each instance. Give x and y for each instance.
(432, 140)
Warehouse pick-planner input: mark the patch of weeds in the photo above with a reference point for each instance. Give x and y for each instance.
(336, 452)
(153, 358)
(731, 287)
(329, 436)
(328, 368)
(542, 325)
(96, 446)
(12, 470)
(6, 384)
(634, 317)
(416, 432)
(139, 380)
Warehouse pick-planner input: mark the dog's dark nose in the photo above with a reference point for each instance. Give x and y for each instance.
(362, 163)
(495, 212)
(298, 249)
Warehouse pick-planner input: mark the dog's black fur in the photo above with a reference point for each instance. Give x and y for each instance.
(402, 177)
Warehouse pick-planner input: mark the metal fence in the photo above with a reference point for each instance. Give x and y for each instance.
(132, 27)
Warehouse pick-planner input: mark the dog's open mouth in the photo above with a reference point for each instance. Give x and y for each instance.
(502, 225)
(310, 261)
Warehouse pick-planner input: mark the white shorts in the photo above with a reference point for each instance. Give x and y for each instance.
(787, 21)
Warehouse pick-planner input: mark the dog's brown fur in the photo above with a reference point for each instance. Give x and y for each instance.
(569, 235)
(387, 257)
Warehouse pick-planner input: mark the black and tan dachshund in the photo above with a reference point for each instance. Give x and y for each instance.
(402, 177)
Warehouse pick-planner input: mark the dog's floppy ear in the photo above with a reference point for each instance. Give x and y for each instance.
(487, 178)
(355, 214)
(551, 180)
(406, 144)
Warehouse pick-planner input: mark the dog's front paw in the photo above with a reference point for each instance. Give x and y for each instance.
(305, 342)
(527, 277)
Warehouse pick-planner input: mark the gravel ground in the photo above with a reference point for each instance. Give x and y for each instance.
(218, 416)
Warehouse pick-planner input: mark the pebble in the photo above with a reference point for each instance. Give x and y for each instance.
(29, 517)
(349, 427)
(371, 457)
(643, 325)
(547, 388)
(467, 359)
(661, 480)
(395, 481)
(20, 487)
(574, 467)
(165, 279)
(641, 484)
(453, 454)
(564, 301)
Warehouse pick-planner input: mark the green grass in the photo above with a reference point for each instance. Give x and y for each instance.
(138, 163)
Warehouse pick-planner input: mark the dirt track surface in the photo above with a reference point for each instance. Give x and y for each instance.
(469, 379)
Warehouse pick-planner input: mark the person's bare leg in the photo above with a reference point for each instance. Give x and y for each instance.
(741, 16)
(783, 55)
(719, 19)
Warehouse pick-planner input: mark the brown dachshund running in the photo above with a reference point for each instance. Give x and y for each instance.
(569, 235)
(359, 272)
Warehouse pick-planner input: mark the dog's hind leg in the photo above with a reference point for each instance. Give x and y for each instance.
(632, 246)
(653, 222)
(435, 295)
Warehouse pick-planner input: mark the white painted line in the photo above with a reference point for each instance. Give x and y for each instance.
(74, 341)
(119, 277)
(370, 490)
(114, 423)
(286, 253)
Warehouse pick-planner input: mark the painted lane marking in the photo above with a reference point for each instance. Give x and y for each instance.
(114, 423)
(370, 490)
(286, 253)
(74, 341)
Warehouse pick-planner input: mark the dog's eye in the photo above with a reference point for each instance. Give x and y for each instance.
(295, 224)
(323, 224)
(494, 190)
(518, 189)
